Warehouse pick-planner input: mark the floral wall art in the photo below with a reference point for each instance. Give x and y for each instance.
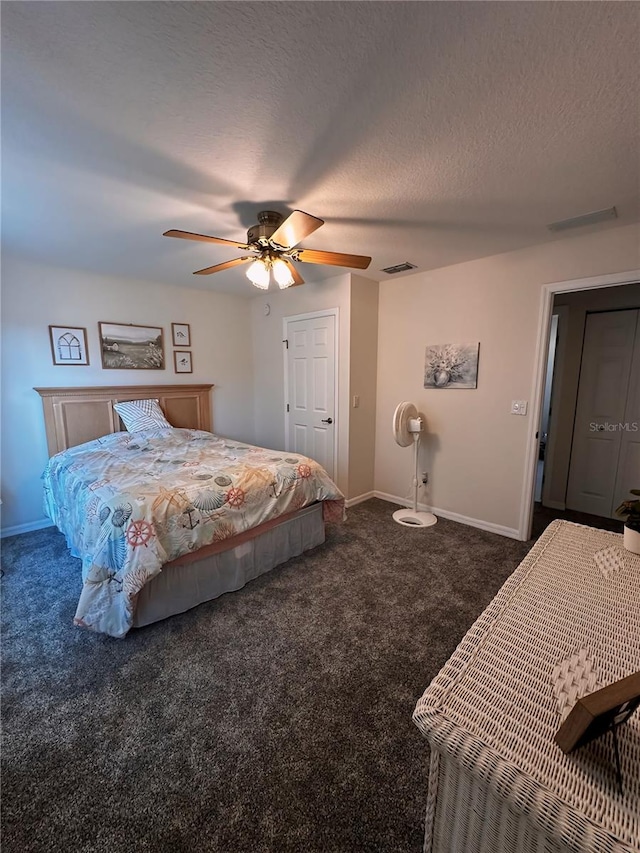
(451, 366)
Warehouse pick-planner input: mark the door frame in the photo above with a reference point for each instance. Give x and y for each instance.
(562, 313)
(313, 315)
(540, 360)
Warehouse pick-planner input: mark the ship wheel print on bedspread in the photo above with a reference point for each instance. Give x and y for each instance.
(139, 533)
(236, 497)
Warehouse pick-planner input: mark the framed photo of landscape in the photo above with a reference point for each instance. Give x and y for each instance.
(127, 346)
(69, 345)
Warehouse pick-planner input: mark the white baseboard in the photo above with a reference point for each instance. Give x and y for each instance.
(510, 532)
(359, 499)
(25, 528)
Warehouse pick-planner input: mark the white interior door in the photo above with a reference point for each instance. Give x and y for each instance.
(310, 427)
(602, 402)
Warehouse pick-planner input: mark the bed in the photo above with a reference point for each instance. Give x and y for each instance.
(164, 519)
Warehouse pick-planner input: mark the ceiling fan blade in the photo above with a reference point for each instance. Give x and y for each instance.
(295, 275)
(337, 259)
(295, 228)
(225, 266)
(204, 238)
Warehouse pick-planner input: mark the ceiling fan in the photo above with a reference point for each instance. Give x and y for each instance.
(273, 243)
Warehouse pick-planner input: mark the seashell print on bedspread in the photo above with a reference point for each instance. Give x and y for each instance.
(129, 503)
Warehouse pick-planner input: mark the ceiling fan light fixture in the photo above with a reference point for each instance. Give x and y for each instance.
(282, 274)
(274, 244)
(258, 274)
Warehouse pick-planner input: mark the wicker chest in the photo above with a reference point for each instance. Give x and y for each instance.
(566, 623)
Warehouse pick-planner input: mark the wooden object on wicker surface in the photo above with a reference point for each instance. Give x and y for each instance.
(594, 714)
(566, 623)
(75, 415)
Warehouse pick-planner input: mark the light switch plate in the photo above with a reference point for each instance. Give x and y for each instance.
(356, 401)
(518, 407)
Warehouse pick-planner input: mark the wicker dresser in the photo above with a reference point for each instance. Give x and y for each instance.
(567, 622)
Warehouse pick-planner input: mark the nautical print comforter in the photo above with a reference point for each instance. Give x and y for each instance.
(130, 502)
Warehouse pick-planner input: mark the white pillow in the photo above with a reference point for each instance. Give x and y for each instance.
(142, 414)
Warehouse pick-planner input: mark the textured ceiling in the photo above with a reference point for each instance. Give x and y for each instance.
(422, 131)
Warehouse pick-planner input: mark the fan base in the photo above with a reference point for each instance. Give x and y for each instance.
(409, 518)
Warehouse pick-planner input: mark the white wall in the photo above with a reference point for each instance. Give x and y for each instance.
(475, 450)
(269, 360)
(35, 296)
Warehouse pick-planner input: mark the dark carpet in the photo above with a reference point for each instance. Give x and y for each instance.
(277, 718)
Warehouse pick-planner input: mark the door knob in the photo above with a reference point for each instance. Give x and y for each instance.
(327, 421)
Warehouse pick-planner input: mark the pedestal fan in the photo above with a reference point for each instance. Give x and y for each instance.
(407, 427)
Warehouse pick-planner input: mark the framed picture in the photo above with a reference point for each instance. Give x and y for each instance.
(182, 361)
(126, 346)
(181, 334)
(69, 345)
(599, 712)
(451, 366)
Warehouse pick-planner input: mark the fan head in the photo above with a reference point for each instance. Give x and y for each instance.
(406, 423)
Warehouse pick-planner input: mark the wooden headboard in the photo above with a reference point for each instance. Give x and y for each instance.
(75, 415)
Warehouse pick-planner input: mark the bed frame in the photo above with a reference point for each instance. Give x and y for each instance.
(75, 415)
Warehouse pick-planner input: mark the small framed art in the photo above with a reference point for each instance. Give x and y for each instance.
(182, 361)
(181, 334)
(69, 345)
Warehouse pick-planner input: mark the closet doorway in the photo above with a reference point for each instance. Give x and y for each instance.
(574, 301)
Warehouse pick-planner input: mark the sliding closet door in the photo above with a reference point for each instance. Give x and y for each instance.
(602, 403)
(629, 465)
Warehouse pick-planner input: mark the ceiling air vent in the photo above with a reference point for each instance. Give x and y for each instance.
(585, 219)
(399, 268)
